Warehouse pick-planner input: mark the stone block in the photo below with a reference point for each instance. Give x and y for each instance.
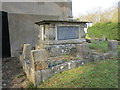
(22, 61)
(26, 51)
(39, 65)
(115, 54)
(83, 51)
(26, 67)
(40, 55)
(39, 59)
(61, 49)
(95, 58)
(32, 59)
(29, 72)
(25, 54)
(60, 68)
(107, 55)
(38, 77)
(32, 75)
(73, 51)
(46, 73)
(113, 46)
(55, 51)
(21, 58)
(82, 33)
(98, 57)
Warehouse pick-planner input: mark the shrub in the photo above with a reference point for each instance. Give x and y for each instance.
(109, 29)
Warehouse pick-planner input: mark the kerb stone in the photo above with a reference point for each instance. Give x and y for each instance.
(47, 73)
(38, 77)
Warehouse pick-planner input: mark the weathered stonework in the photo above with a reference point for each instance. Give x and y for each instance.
(37, 69)
(113, 47)
(25, 57)
(52, 56)
(57, 50)
(40, 59)
(83, 51)
(41, 65)
(46, 73)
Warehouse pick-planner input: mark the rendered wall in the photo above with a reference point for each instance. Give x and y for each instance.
(23, 15)
(22, 30)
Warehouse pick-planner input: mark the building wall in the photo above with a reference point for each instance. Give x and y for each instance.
(23, 15)
(0, 36)
(61, 9)
(22, 30)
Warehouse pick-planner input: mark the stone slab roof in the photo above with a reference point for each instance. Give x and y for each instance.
(60, 21)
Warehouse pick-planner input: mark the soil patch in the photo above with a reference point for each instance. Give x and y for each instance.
(12, 73)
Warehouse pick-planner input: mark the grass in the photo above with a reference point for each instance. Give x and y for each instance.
(100, 74)
(99, 46)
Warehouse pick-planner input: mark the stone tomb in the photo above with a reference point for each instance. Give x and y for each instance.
(61, 46)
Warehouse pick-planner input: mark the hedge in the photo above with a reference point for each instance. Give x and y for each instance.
(109, 29)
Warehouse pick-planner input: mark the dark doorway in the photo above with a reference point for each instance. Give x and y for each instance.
(5, 35)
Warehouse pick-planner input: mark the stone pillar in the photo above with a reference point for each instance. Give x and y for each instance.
(82, 33)
(39, 59)
(113, 47)
(83, 51)
(26, 60)
(26, 51)
(25, 57)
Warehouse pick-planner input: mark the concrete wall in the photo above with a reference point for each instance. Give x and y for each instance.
(61, 9)
(22, 29)
(23, 15)
(0, 35)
